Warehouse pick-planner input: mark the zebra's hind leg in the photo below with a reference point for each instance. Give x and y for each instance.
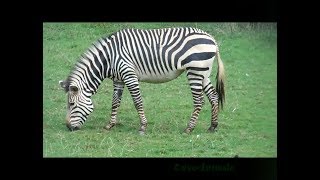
(132, 84)
(195, 82)
(212, 95)
(116, 100)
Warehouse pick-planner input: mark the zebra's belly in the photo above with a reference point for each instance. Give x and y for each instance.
(160, 78)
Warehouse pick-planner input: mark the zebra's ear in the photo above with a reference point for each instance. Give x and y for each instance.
(62, 84)
(73, 89)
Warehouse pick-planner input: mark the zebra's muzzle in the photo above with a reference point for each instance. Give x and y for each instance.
(71, 128)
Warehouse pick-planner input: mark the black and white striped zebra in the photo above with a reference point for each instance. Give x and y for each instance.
(155, 56)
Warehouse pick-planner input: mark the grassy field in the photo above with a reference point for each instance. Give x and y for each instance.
(247, 125)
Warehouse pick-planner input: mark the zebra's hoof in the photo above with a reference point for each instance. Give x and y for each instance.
(141, 133)
(187, 131)
(212, 129)
(108, 127)
(185, 134)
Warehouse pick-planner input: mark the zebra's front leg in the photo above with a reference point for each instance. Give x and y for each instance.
(116, 100)
(133, 86)
(198, 100)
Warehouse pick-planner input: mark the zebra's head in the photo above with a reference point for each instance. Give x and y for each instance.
(79, 105)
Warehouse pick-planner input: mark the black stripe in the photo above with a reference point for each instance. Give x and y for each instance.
(196, 84)
(194, 79)
(196, 33)
(196, 90)
(190, 73)
(132, 87)
(189, 45)
(197, 57)
(209, 84)
(197, 68)
(74, 112)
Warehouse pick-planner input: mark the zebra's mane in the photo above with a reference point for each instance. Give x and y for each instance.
(84, 57)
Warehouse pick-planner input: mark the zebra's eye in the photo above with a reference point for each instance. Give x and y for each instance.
(71, 104)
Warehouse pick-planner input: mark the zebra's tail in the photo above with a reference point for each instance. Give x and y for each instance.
(220, 78)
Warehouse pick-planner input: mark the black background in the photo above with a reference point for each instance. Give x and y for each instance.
(25, 84)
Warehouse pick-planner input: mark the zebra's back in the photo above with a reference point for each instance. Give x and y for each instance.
(161, 55)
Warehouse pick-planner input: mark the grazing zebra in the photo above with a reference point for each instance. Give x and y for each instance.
(155, 56)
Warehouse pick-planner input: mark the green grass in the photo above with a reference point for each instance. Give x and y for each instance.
(247, 125)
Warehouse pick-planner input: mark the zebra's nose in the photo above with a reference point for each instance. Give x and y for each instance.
(69, 126)
(72, 128)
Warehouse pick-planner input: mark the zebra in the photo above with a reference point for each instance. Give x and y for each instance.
(130, 56)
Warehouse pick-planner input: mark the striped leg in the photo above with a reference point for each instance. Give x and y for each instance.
(195, 82)
(213, 99)
(133, 87)
(116, 100)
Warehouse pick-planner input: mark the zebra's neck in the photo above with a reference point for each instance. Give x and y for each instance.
(92, 67)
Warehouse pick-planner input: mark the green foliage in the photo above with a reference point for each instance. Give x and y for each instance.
(248, 123)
